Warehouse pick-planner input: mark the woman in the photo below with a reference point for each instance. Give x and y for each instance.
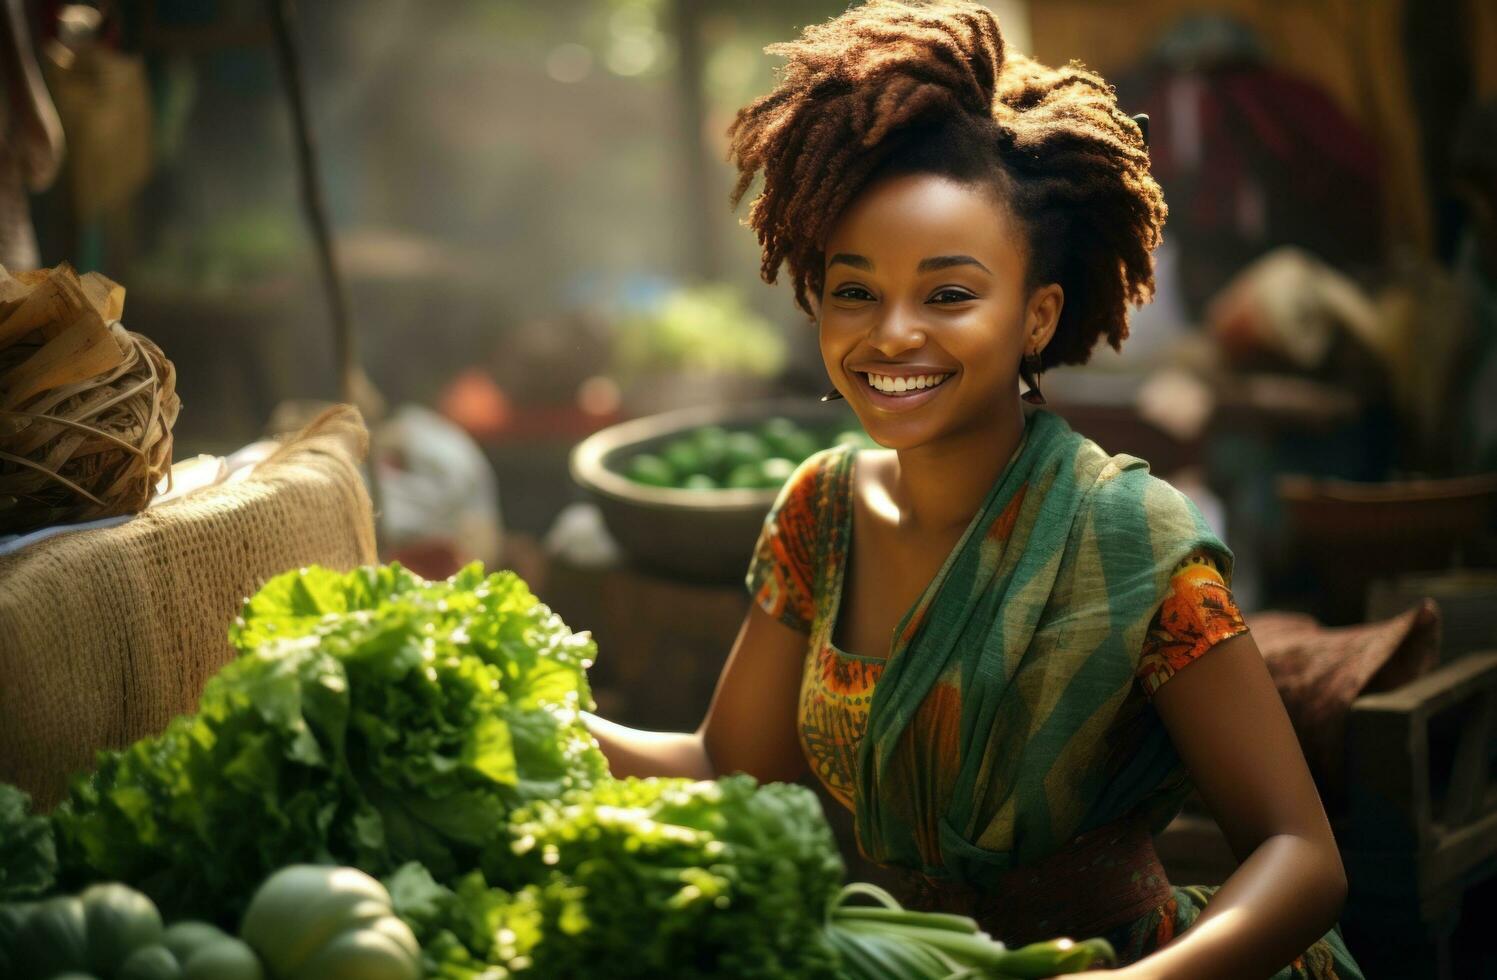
(1002, 648)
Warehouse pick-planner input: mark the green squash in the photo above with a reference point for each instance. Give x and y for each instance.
(117, 921)
(11, 917)
(52, 940)
(187, 937)
(154, 962)
(384, 950)
(227, 959)
(310, 922)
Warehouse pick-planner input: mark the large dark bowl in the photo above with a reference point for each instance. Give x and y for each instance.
(701, 535)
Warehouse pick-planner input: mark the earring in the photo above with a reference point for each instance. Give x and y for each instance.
(1030, 372)
(831, 396)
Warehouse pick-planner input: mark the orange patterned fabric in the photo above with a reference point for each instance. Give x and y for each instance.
(782, 570)
(1197, 614)
(792, 557)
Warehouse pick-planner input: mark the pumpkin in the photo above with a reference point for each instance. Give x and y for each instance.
(310, 922)
(11, 917)
(226, 959)
(117, 920)
(186, 937)
(154, 962)
(51, 940)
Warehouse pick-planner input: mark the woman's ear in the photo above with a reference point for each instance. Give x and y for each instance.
(1042, 316)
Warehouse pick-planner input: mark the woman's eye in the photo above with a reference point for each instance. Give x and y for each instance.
(952, 296)
(853, 292)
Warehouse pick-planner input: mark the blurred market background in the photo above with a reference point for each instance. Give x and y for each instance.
(528, 206)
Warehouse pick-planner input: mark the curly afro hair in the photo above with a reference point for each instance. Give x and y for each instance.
(924, 86)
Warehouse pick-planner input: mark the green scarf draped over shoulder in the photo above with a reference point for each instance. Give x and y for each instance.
(1002, 726)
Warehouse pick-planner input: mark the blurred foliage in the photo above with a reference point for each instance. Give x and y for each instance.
(232, 249)
(635, 38)
(702, 329)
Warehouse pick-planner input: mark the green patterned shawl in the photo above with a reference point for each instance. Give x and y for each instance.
(1002, 726)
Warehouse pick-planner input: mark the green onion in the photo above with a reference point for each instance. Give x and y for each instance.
(884, 941)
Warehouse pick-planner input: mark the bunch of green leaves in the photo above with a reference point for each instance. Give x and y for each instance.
(679, 878)
(472, 931)
(28, 853)
(371, 719)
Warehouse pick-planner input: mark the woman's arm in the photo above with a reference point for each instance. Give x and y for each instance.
(750, 725)
(1230, 728)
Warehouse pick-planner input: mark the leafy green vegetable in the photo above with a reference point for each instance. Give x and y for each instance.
(28, 853)
(692, 879)
(475, 932)
(372, 718)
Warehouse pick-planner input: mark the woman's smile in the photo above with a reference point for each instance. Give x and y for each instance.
(901, 390)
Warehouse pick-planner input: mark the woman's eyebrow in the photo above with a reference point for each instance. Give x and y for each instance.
(848, 258)
(947, 261)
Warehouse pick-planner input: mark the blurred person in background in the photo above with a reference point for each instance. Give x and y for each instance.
(1006, 651)
(1473, 401)
(31, 141)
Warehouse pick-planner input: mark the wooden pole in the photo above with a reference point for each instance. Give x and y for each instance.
(311, 190)
(345, 354)
(702, 261)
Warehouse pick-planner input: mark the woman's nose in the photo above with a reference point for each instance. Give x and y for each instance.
(897, 332)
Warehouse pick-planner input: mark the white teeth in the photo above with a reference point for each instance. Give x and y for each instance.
(894, 386)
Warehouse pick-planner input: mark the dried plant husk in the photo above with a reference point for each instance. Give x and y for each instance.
(86, 406)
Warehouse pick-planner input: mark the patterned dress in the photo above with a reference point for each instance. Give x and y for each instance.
(797, 576)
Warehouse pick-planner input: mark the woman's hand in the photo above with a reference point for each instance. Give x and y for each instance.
(750, 727)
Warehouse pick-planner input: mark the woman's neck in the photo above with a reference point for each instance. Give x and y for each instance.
(938, 487)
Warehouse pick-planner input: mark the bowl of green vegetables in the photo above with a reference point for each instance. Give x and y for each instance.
(685, 493)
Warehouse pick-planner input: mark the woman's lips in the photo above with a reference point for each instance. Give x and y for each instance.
(902, 401)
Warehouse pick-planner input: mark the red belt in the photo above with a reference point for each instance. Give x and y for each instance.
(1104, 878)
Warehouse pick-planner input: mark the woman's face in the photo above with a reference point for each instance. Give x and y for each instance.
(925, 315)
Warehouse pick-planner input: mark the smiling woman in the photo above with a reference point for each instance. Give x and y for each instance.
(1007, 651)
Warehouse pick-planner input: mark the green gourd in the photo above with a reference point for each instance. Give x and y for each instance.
(117, 921)
(226, 959)
(11, 917)
(310, 922)
(383, 950)
(51, 940)
(187, 937)
(154, 962)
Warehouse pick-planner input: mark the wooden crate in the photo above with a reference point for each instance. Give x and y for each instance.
(1422, 824)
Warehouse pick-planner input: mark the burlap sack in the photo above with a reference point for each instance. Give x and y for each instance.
(106, 635)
